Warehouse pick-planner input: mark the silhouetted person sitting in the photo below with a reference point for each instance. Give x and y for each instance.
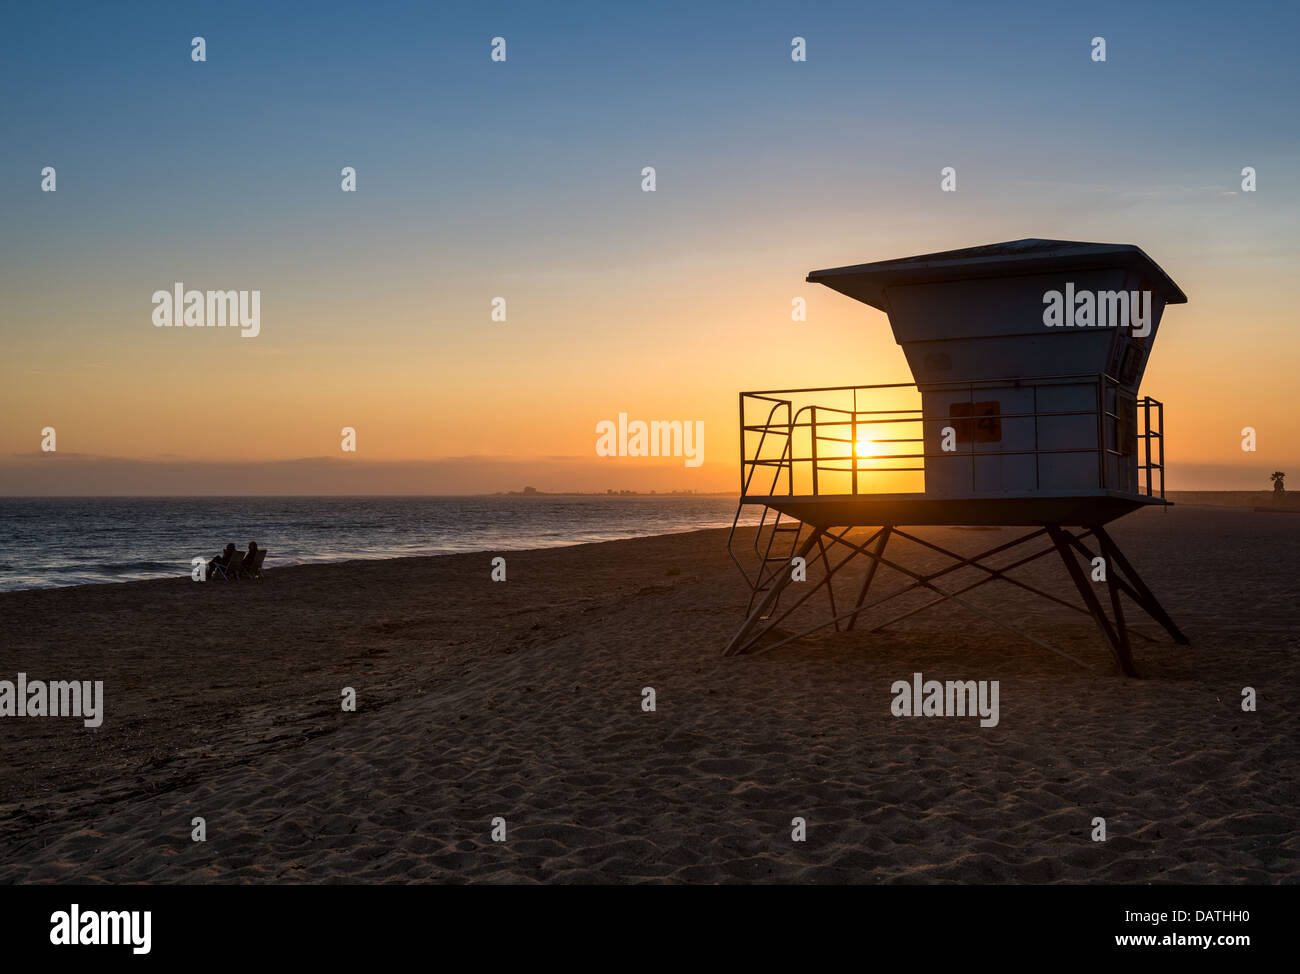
(222, 559)
(250, 557)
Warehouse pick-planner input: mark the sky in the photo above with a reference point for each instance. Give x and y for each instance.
(522, 179)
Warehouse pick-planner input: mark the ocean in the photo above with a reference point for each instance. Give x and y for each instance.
(50, 542)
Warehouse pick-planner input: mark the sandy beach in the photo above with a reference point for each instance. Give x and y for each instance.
(523, 699)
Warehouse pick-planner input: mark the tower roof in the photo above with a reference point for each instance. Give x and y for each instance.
(1014, 258)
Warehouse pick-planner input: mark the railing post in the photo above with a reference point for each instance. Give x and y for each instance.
(789, 449)
(1038, 460)
(813, 429)
(970, 432)
(1101, 431)
(742, 446)
(1146, 422)
(854, 444)
(1160, 418)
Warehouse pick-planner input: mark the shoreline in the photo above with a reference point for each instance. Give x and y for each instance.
(276, 563)
(272, 565)
(1221, 500)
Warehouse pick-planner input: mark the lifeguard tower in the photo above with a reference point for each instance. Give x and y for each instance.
(1027, 358)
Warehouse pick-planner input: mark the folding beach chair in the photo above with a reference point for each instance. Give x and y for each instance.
(231, 571)
(254, 568)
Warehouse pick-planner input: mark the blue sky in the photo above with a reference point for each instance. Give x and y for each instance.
(442, 136)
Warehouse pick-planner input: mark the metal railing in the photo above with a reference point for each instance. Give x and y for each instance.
(812, 436)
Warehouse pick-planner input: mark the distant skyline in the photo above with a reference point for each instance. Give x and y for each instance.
(522, 179)
(43, 475)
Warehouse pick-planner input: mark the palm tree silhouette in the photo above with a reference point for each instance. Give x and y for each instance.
(1277, 477)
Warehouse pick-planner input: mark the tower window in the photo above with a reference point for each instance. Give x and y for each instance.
(977, 422)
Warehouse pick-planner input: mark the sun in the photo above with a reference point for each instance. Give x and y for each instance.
(866, 447)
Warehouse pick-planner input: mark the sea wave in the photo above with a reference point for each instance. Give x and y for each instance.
(94, 540)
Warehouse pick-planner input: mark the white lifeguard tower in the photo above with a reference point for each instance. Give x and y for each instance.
(1027, 358)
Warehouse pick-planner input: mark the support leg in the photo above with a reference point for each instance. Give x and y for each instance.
(1117, 610)
(741, 641)
(1117, 639)
(871, 572)
(830, 589)
(1144, 597)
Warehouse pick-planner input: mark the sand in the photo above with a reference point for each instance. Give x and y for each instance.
(523, 699)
